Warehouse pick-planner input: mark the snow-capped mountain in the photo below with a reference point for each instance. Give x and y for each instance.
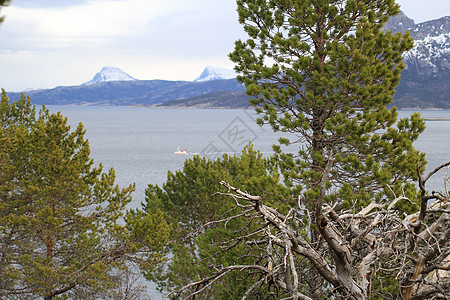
(110, 74)
(213, 73)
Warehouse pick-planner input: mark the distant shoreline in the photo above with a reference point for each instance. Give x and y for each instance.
(157, 106)
(436, 119)
(251, 107)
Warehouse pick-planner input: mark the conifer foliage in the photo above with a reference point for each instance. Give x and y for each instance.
(64, 231)
(190, 200)
(325, 71)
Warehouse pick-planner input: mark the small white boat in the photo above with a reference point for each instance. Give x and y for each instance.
(178, 152)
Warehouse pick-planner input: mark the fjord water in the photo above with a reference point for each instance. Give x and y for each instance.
(139, 143)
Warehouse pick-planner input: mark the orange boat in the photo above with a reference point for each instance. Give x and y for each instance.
(178, 152)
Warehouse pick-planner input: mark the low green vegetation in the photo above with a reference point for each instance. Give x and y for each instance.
(191, 198)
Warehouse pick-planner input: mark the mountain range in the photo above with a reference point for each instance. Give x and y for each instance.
(425, 82)
(112, 86)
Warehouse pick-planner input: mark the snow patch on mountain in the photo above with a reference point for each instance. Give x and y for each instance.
(214, 73)
(110, 74)
(430, 55)
(430, 47)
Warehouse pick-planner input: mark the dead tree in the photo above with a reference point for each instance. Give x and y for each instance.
(366, 252)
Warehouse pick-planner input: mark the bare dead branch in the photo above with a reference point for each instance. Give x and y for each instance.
(437, 169)
(355, 247)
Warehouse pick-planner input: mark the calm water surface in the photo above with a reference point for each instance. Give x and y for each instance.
(139, 143)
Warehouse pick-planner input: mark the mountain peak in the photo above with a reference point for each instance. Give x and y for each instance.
(110, 74)
(399, 23)
(214, 73)
(433, 28)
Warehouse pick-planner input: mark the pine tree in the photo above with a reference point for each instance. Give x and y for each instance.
(324, 73)
(63, 226)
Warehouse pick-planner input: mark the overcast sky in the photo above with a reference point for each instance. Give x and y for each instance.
(46, 43)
